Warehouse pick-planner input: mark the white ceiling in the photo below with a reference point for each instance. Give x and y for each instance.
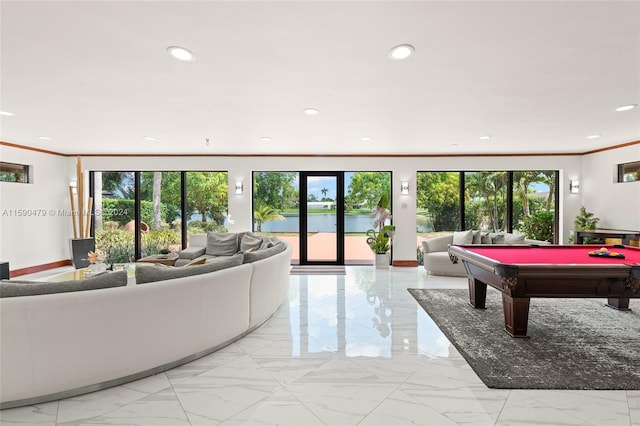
(538, 77)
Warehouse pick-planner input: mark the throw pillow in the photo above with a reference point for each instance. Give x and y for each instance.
(197, 262)
(485, 238)
(264, 253)
(222, 243)
(250, 242)
(477, 237)
(497, 237)
(513, 239)
(463, 237)
(148, 274)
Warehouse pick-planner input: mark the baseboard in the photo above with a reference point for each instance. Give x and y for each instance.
(39, 268)
(405, 263)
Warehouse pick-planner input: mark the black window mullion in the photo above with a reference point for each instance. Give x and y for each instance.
(137, 216)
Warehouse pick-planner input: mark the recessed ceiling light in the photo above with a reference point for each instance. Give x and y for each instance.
(8, 114)
(181, 54)
(44, 138)
(149, 138)
(366, 138)
(485, 137)
(593, 136)
(626, 107)
(401, 51)
(311, 111)
(265, 139)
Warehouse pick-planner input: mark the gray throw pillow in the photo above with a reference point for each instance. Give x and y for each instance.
(222, 243)
(497, 237)
(463, 237)
(477, 237)
(250, 243)
(485, 238)
(264, 253)
(191, 253)
(150, 273)
(514, 238)
(12, 288)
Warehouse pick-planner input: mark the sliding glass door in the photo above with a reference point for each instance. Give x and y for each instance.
(322, 218)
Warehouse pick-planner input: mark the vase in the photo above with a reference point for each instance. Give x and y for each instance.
(97, 267)
(80, 248)
(382, 260)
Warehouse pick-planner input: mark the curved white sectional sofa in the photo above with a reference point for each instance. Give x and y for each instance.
(64, 344)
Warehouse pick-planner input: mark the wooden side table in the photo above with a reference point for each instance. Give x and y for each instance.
(164, 259)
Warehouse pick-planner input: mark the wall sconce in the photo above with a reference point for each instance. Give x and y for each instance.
(574, 186)
(239, 187)
(404, 187)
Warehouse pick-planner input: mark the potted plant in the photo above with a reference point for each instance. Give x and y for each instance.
(379, 237)
(586, 221)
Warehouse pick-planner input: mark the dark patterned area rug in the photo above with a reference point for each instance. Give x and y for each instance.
(573, 344)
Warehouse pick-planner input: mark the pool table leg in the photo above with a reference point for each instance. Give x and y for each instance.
(620, 304)
(516, 315)
(477, 293)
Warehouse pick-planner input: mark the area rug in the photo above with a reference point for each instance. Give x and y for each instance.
(318, 270)
(572, 344)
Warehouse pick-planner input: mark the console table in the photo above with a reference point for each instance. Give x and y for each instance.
(626, 236)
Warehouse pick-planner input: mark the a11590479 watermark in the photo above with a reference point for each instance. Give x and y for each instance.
(34, 212)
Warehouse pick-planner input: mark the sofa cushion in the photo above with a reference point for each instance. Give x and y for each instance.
(13, 288)
(199, 261)
(485, 238)
(497, 237)
(222, 243)
(463, 237)
(152, 273)
(191, 252)
(250, 243)
(513, 238)
(477, 237)
(260, 254)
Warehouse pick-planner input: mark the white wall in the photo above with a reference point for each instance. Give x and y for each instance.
(616, 204)
(53, 190)
(33, 232)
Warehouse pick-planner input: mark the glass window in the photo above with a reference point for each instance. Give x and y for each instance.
(114, 206)
(629, 172)
(276, 207)
(160, 212)
(207, 202)
(485, 205)
(534, 204)
(10, 172)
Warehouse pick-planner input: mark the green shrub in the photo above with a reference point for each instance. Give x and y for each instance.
(538, 226)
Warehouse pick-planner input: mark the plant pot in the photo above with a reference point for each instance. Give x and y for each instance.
(382, 260)
(80, 248)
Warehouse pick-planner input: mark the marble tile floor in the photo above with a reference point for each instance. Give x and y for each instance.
(354, 349)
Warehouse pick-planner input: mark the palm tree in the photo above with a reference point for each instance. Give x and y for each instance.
(264, 213)
(324, 193)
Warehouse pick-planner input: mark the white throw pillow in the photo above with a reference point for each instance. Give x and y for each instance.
(463, 237)
(513, 239)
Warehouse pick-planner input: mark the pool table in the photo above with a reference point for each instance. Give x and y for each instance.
(521, 272)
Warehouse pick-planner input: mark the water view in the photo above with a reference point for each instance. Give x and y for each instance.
(359, 223)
